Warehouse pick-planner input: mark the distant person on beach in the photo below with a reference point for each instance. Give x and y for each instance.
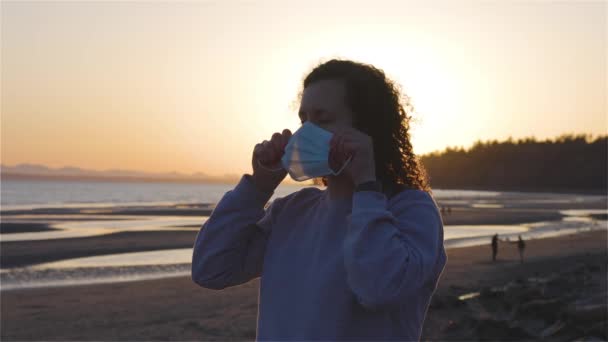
(359, 259)
(494, 246)
(521, 245)
(449, 210)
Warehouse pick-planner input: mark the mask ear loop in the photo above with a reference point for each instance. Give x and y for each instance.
(268, 169)
(343, 166)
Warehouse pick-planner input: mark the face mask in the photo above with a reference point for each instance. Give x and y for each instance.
(307, 153)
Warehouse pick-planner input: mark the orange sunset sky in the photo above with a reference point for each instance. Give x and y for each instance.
(193, 86)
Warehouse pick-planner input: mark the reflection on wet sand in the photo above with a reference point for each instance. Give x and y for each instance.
(473, 221)
(164, 257)
(100, 227)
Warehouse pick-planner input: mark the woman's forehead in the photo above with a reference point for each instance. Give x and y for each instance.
(328, 94)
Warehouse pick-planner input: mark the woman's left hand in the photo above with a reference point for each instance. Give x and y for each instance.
(348, 141)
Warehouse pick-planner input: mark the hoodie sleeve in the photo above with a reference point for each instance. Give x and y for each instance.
(392, 253)
(229, 248)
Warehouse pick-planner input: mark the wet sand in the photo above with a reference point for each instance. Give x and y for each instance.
(11, 228)
(177, 309)
(503, 216)
(24, 253)
(599, 216)
(549, 293)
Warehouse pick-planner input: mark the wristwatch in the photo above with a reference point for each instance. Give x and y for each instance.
(369, 186)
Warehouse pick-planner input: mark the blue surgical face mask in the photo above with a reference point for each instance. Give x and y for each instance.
(307, 153)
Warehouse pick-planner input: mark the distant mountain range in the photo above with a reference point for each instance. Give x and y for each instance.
(37, 171)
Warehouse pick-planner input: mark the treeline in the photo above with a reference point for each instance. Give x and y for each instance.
(567, 163)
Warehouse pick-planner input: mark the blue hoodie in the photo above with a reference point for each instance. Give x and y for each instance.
(361, 268)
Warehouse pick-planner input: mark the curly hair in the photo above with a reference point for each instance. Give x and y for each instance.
(381, 111)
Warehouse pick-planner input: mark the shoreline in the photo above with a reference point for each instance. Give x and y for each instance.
(231, 181)
(45, 274)
(583, 199)
(551, 190)
(185, 311)
(27, 253)
(30, 252)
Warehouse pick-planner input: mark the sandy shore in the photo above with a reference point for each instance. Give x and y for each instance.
(177, 309)
(557, 274)
(23, 253)
(478, 216)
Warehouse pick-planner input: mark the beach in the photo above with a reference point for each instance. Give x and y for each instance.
(338, 151)
(510, 300)
(24, 253)
(178, 309)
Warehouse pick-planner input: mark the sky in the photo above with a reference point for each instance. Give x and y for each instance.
(193, 86)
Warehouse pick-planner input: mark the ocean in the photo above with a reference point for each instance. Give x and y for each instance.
(29, 194)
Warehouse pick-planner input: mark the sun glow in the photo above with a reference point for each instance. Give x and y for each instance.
(92, 85)
(424, 75)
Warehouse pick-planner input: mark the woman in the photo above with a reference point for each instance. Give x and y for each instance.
(358, 260)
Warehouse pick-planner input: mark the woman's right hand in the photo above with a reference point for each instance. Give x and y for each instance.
(269, 154)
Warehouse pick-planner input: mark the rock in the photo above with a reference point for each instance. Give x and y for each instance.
(601, 297)
(598, 329)
(587, 312)
(445, 301)
(518, 294)
(547, 309)
(468, 296)
(552, 329)
(531, 326)
(589, 339)
(491, 291)
(489, 329)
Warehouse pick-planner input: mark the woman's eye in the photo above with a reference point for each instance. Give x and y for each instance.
(322, 122)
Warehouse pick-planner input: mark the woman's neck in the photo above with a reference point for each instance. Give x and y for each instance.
(339, 187)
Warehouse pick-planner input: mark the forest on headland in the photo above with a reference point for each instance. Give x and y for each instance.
(568, 163)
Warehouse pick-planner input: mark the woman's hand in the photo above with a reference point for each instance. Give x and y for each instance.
(269, 154)
(348, 141)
